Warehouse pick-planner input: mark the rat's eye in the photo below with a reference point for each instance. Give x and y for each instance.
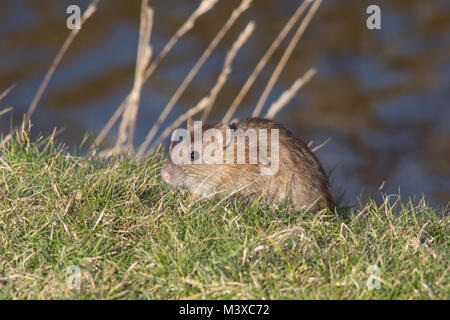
(194, 155)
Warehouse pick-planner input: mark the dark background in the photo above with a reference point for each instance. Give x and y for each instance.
(381, 95)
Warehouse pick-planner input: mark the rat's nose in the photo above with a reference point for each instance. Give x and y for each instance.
(166, 174)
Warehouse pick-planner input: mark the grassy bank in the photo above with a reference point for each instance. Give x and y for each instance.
(134, 237)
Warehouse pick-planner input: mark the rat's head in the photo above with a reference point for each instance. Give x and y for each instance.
(193, 160)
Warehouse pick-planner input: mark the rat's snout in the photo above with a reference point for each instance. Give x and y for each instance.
(167, 173)
(171, 174)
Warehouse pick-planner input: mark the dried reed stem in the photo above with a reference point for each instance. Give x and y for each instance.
(226, 70)
(86, 15)
(286, 55)
(175, 97)
(323, 144)
(2, 112)
(263, 61)
(208, 101)
(204, 7)
(142, 61)
(188, 114)
(287, 96)
(6, 91)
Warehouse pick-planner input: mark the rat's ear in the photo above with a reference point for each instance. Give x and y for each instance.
(190, 125)
(222, 137)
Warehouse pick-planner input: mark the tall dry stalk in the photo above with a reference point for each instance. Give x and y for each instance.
(245, 4)
(226, 70)
(286, 55)
(142, 61)
(2, 112)
(6, 110)
(86, 15)
(176, 124)
(208, 101)
(263, 61)
(323, 144)
(287, 96)
(204, 7)
(7, 91)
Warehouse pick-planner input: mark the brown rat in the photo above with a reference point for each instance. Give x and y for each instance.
(282, 167)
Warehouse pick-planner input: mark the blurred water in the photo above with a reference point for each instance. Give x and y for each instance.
(381, 95)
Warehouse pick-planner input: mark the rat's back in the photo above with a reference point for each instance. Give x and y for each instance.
(284, 168)
(300, 176)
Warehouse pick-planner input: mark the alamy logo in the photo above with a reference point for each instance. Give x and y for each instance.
(73, 281)
(373, 282)
(227, 146)
(74, 20)
(374, 20)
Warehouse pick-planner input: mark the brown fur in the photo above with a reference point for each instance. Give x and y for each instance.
(300, 177)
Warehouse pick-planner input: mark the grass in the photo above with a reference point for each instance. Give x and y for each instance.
(133, 237)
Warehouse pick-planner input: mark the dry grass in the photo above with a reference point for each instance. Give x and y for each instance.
(207, 103)
(146, 66)
(6, 91)
(263, 61)
(92, 8)
(131, 103)
(285, 57)
(142, 63)
(201, 105)
(2, 96)
(204, 7)
(287, 96)
(226, 70)
(245, 4)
